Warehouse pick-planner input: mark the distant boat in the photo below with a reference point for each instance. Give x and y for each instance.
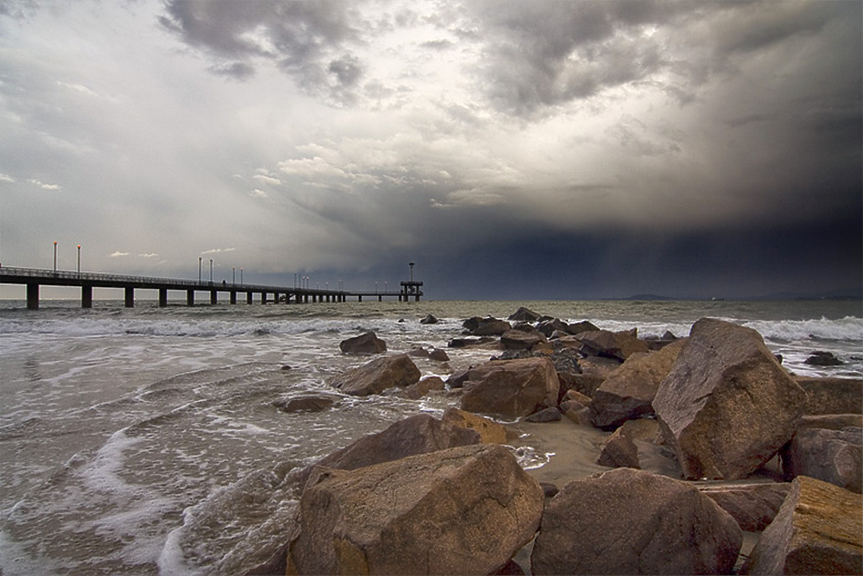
(715, 299)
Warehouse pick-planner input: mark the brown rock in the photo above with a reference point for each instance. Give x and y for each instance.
(378, 375)
(524, 315)
(628, 392)
(834, 456)
(583, 326)
(460, 511)
(438, 355)
(551, 414)
(424, 386)
(831, 421)
(367, 343)
(818, 530)
(753, 506)
(832, 395)
(549, 327)
(490, 432)
(486, 326)
(511, 388)
(520, 340)
(619, 451)
(727, 406)
(627, 521)
(417, 434)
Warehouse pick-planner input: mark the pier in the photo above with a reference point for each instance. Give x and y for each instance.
(33, 278)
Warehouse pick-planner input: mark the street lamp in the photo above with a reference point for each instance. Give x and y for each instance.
(211, 270)
(55, 257)
(79, 259)
(241, 276)
(200, 259)
(233, 274)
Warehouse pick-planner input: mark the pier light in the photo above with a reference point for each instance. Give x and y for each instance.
(241, 276)
(200, 260)
(211, 270)
(55, 257)
(79, 259)
(233, 274)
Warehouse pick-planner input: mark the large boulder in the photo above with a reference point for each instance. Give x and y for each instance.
(753, 506)
(727, 406)
(834, 456)
(511, 388)
(619, 345)
(417, 434)
(629, 521)
(818, 530)
(628, 392)
(377, 376)
(367, 343)
(466, 510)
(832, 395)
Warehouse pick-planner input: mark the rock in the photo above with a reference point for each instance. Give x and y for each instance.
(644, 429)
(418, 352)
(457, 379)
(600, 343)
(465, 342)
(367, 343)
(832, 395)
(549, 489)
(549, 327)
(576, 412)
(520, 340)
(822, 358)
(417, 434)
(524, 315)
(378, 375)
(466, 510)
(486, 326)
(818, 530)
(490, 432)
(577, 396)
(834, 456)
(628, 392)
(627, 521)
(727, 406)
(429, 319)
(579, 327)
(423, 387)
(438, 355)
(305, 404)
(551, 414)
(511, 388)
(753, 506)
(619, 451)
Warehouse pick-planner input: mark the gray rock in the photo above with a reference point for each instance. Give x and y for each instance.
(486, 326)
(832, 395)
(524, 315)
(753, 506)
(629, 521)
(305, 404)
(466, 510)
(520, 339)
(727, 406)
(834, 456)
(377, 376)
(429, 319)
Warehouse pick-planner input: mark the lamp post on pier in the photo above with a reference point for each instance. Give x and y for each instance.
(211, 270)
(233, 274)
(79, 259)
(55, 257)
(200, 260)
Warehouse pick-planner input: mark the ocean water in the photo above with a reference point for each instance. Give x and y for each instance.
(146, 440)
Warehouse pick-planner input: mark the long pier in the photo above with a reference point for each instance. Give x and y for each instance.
(33, 278)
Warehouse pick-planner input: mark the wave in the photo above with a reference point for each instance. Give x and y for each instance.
(848, 329)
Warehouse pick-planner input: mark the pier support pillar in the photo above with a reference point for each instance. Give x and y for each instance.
(248, 297)
(214, 297)
(163, 297)
(263, 297)
(190, 297)
(130, 296)
(233, 296)
(359, 297)
(32, 296)
(86, 296)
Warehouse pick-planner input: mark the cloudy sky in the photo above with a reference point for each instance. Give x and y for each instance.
(512, 149)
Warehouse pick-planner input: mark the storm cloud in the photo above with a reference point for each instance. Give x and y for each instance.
(565, 148)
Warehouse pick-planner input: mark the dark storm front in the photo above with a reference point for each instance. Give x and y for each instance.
(144, 440)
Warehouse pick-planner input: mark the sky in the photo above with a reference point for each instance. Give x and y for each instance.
(511, 149)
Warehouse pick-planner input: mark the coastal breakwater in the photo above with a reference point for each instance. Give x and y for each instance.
(431, 496)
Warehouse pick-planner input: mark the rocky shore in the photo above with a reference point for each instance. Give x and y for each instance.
(707, 457)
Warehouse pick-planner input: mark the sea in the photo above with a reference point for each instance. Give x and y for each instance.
(149, 440)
